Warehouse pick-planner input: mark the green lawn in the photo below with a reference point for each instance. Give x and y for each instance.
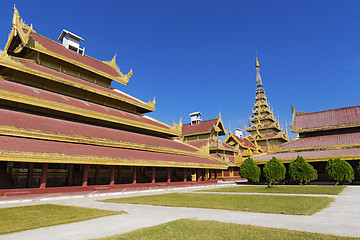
(294, 205)
(18, 219)
(329, 190)
(193, 229)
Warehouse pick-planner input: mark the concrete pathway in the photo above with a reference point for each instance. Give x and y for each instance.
(341, 218)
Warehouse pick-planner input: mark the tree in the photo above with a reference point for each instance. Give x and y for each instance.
(302, 171)
(274, 170)
(250, 170)
(339, 170)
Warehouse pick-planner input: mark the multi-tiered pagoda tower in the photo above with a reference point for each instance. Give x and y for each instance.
(265, 129)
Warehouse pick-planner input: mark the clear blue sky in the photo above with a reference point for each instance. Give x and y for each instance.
(199, 55)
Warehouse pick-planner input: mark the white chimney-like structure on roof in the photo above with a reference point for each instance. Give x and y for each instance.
(71, 41)
(238, 132)
(195, 118)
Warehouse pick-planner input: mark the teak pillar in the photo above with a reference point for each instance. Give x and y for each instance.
(30, 175)
(43, 175)
(85, 175)
(119, 175)
(70, 174)
(97, 174)
(153, 174)
(184, 174)
(112, 175)
(168, 174)
(134, 175)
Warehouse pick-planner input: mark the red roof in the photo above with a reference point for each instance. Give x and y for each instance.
(41, 146)
(198, 143)
(325, 140)
(203, 126)
(333, 117)
(311, 154)
(54, 125)
(63, 51)
(74, 79)
(74, 102)
(201, 143)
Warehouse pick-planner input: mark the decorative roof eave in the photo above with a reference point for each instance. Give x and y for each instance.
(17, 156)
(8, 61)
(53, 136)
(325, 128)
(33, 101)
(277, 149)
(26, 41)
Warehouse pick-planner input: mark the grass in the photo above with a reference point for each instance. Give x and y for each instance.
(294, 205)
(328, 190)
(18, 219)
(193, 229)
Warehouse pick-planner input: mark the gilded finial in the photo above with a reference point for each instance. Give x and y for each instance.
(16, 17)
(257, 61)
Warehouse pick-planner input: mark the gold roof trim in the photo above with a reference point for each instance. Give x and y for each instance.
(17, 156)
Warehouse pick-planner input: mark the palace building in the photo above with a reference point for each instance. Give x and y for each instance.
(205, 136)
(333, 133)
(61, 123)
(265, 129)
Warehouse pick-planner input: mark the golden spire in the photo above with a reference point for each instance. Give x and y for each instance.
(257, 63)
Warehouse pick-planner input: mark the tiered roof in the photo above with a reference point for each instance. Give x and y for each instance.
(266, 129)
(57, 106)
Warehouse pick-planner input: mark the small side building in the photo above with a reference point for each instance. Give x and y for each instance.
(205, 136)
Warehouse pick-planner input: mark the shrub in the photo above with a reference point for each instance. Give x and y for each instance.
(358, 169)
(339, 170)
(302, 171)
(274, 170)
(250, 170)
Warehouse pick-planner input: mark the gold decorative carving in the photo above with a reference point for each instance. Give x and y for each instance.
(113, 64)
(152, 103)
(177, 127)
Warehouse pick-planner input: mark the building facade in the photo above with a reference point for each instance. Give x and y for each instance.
(61, 123)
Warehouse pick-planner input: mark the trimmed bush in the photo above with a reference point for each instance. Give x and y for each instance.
(250, 170)
(358, 169)
(274, 170)
(302, 171)
(339, 170)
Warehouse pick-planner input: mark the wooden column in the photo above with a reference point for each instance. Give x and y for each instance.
(198, 174)
(119, 175)
(97, 174)
(184, 174)
(70, 174)
(30, 174)
(134, 175)
(43, 175)
(153, 174)
(85, 175)
(112, 175)
(168, 174)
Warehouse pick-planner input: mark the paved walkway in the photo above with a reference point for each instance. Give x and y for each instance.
(341, 218)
